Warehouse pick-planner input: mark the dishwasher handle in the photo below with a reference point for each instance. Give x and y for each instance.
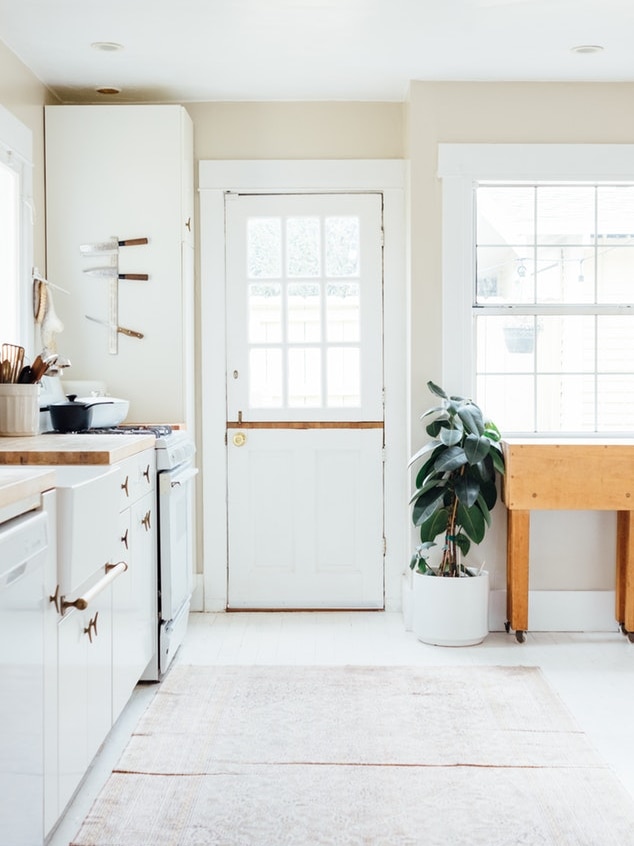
(82, 602)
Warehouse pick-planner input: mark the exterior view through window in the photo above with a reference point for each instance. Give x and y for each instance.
(554, 306)
(9, 254)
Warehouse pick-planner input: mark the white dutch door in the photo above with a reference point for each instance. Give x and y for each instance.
(305, 401)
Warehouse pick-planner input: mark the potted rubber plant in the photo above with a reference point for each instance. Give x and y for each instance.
(455, 492)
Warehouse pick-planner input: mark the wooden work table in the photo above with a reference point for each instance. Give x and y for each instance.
(567, 474)
(57, 449)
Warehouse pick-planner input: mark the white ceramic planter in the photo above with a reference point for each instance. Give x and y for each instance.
(451, 612)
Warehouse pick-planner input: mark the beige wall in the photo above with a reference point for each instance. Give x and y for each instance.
(297, 130)
(24, 95)
(569, 550)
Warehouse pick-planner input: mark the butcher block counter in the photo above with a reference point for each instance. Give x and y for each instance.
(54, 449)
(570, 474)
(17, 484)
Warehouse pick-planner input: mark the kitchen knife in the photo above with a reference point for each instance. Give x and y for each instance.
(121, 329)
(111, 246)
(111, 272)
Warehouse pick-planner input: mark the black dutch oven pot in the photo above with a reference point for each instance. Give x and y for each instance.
(71, 416)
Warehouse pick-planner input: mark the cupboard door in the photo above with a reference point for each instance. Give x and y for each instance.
(85, 690)
(135, 619)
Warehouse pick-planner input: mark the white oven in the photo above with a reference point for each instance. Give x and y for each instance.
(175, 505)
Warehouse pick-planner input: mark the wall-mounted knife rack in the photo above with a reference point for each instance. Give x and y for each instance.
(109, 252)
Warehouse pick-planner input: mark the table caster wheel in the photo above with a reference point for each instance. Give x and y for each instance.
(520, 636)
(507, 626)
(630, 637)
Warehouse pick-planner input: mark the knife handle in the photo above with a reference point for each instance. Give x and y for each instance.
(129, 332)
(133, 242)
(143, 277)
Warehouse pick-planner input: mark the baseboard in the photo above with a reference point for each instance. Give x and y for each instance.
(560, 611)
(548, 610)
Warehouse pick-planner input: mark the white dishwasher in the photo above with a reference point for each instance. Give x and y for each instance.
(23, 558)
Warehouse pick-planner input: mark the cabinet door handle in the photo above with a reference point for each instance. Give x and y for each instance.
(188, 224)
(55, 598)
(146, 521)
(92, 627)
(82, 602)
(124, 486)
(146, 473)
(124, 539)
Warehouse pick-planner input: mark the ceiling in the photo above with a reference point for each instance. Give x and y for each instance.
(260, 50)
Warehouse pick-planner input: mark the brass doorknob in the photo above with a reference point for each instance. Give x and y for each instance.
(239, 439)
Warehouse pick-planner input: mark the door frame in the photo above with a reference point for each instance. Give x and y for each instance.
(216, 178)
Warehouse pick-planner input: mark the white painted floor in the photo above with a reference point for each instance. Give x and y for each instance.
(592, 673)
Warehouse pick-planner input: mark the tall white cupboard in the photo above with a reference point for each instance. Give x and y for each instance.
(115, 173)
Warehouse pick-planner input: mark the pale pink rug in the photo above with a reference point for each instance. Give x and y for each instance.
(383, 756)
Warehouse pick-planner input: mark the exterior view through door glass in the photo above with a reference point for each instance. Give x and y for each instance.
(305, 401)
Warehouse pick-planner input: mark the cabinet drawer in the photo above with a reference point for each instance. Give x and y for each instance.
(138, 477)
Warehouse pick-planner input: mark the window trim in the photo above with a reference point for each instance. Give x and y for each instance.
(461, 167)
(16, 151)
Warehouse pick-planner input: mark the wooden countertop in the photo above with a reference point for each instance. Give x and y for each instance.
(569, 473)
(21, 483)
(54, 449)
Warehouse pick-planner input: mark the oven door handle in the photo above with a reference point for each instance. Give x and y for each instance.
(174, 480)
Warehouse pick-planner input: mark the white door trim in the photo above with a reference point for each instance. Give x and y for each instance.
(216, 178)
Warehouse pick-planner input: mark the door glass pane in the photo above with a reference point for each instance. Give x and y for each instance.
(304, 313)
(344, 377)
(264, 248)
(265, 378)
(342, 246)
(343, 311)
(265, 313)
(303, 236)
(304, 377)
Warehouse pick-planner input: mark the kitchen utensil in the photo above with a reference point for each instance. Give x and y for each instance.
(14, 354)
(111, 245)
(111, 273)
(121, 329)
(72, 416)
(26, 376)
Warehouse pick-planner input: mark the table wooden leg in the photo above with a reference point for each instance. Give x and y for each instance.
(623, 534)
(625, 571)
(517, 551)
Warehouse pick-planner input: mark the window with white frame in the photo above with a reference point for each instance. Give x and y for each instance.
(16, 324)
(549, 315)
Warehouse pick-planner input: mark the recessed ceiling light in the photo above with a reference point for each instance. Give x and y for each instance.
(587, 48)
(106, 46)
(106, 89)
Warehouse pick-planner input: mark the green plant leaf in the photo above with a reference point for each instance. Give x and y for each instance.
(471, 417)
(434, 526)
(450, 459)
(467, 489)
(426, 505)
(476, 448)
(436, 389)
(430, 446)
(427, 472)
(497, 457)
(451, 437)
(463, 543)
(489, 493)
(484, 508)
(428, 484)
(472, 522)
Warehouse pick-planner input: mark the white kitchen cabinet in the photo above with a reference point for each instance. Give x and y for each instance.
(125, 171)
(85, 701)
(135, 621)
